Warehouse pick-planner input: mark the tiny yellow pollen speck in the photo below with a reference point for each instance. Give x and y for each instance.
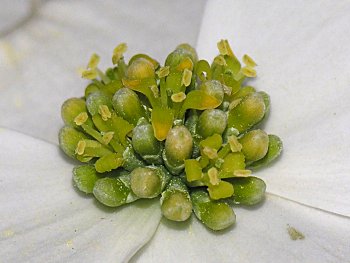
(80, 147)
(294, 234)
(8, 233)
(103, 110)
(69, 243)
(81, 118)
(18, 102)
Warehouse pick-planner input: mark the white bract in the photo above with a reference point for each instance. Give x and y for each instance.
(303, 56)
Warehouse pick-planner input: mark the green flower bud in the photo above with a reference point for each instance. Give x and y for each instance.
(144, 56)
(145, 144)
(114, 192)
(247, 113)
(187, 48)
(216, 215)
(128, 106)
(274, 150)
(178, 148)
(243, 92)
(131, 160)
(85, 177)
(213, 88)
(68, 140)
(179, 54)
(248, 190)
(96, 100)
(254, 145)
(148, 182)
(70, 109)
(91, 88)
(140, 68)
(176, 202)
(211, 121)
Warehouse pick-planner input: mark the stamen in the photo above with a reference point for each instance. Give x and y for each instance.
(118, 52)
(242, 173)
(89, 74)
(163, 72)
(248, 72)
(220, 61)
(224, 48)
(249, 61)
(155, 91)
(186, 77)
(104, 112)
(107, 137)
(213, 176)
(80, 147)
(93, 62)
(234, 103)
(210, 152)
(178, 97)
(81, 118)
(235, 146)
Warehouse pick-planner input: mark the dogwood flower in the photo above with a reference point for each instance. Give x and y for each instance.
(302, 55)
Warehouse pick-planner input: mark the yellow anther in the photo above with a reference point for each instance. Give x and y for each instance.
(81, 118)
(107, 137)
(186, 77)
(225, 48)
(104, 112)
(234, 103)
(89, 74)
(118, 52)
(242, 173)
(210, 152)
(227, 90)
(248, 72)
(80, 147)
(235, 146)
(93, 62)
(155, 90)
(163, 72)
(178, 97)
(220, 60)
(213, 176)
(249, 61)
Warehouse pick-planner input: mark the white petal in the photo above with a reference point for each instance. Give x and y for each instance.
(260, 235)
(302, 50)
(39, 62)
(43, 219)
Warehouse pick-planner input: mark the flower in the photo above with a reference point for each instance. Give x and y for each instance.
(302, 52)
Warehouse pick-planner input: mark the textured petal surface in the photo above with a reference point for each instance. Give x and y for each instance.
(43, 219)
(303, 56)
(39, 61)
(260, 235)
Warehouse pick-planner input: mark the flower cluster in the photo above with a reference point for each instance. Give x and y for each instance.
(186, 131)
